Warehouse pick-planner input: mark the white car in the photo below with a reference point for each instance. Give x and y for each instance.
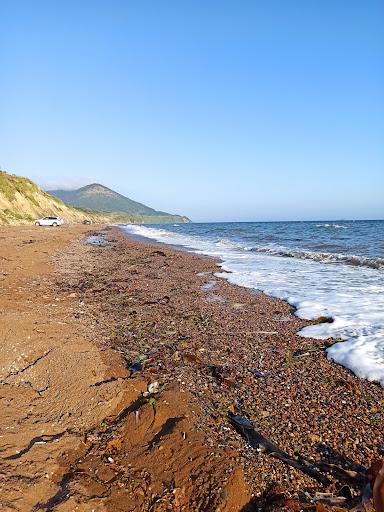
(49, 221)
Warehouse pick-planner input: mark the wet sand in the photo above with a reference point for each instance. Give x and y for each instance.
(122, 364)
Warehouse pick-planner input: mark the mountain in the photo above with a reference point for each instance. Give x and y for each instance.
(102, 199)
(22, 201)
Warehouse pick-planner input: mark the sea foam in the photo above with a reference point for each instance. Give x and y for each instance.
(332, 226)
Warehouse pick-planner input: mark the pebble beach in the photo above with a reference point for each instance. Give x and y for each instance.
(155, 385)
(237, 352)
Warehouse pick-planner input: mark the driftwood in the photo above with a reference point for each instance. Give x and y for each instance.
(258, 441)
(342, 474)
(371, 482)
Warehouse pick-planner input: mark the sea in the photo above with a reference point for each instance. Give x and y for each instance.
(322, 268)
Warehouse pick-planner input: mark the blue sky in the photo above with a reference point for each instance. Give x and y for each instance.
(220, 110)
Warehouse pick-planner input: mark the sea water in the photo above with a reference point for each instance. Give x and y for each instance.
(333, 269)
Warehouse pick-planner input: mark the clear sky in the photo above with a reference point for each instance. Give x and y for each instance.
(220, 110)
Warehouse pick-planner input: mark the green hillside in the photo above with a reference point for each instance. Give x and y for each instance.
(102, 199)
(22, 201)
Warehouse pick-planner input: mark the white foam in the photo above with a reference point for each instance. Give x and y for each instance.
(365, 357)
(352, 295)
(324, 257)
(334, 226)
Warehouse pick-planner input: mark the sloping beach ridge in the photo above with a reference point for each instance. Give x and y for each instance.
(136, 379)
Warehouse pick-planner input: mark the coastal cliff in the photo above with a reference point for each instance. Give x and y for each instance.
(22, 201)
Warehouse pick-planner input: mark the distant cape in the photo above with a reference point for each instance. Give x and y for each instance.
(99, 198)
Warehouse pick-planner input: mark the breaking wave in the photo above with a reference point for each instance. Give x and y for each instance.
(333, 226)
(323, 257)
(351, 291)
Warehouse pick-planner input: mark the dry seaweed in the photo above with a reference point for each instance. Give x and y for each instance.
(264, 445)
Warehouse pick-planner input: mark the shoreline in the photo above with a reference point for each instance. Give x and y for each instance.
(316, 287)
(233, 387)
(334, 342)
(159, 315)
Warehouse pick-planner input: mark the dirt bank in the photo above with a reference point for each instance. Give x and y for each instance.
(62, 393)
(48, 367)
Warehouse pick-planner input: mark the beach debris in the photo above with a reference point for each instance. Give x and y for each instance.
(323, 320)
(301, 353)
(264, 445)
(257, 373)
(135, 367)
(215, 371)
(326, 497)
(153, 388)
(318, 470)
(163, 300)
(152, 402)
(304, 352)
(343, 474)
(238, 305)
(223, 375)
(184, 337)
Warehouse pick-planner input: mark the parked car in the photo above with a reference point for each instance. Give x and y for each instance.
(49, 221)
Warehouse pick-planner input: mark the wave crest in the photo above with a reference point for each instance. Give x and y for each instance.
(323, 257)
(332, 226)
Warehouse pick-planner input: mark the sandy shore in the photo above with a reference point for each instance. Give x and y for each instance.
(48, 367)
(121, 365)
